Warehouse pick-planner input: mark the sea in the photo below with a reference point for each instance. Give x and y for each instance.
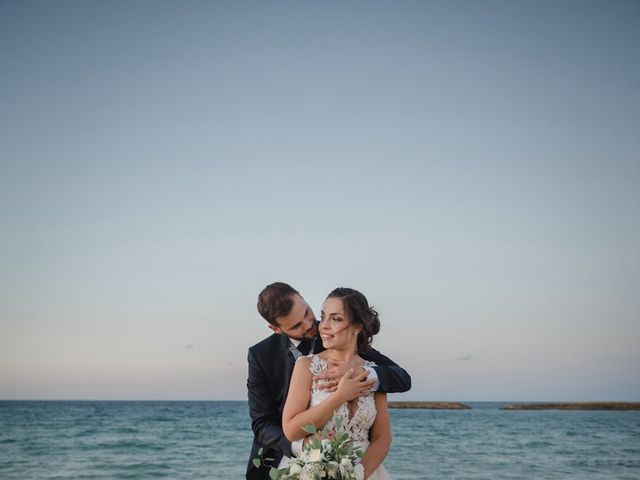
(212, 439)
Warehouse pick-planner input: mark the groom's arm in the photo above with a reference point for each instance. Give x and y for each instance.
(392, 378)
(266, 421)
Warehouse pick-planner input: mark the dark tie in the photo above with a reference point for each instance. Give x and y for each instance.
(305, 347)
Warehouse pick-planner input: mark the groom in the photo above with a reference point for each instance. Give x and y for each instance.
(271, 362)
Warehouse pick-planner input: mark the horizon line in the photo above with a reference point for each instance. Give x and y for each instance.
(245, 400)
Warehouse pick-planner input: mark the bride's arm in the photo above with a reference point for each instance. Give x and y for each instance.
(380, 434)
(297, 413)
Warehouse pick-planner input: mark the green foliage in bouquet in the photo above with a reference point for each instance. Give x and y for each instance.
(328, 455)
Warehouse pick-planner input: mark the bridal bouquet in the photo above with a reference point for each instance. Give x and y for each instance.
(329, 455)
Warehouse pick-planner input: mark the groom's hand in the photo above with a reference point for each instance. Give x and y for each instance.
(328, 380)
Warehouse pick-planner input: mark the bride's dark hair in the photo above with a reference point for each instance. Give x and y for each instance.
(358, 311)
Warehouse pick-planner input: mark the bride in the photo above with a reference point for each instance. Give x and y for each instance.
(347, 326)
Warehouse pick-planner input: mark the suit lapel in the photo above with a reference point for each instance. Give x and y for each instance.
(289, 362)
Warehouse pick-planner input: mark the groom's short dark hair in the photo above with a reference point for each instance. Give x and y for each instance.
(275, 301)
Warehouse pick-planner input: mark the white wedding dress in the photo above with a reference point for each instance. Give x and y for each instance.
(357, 426)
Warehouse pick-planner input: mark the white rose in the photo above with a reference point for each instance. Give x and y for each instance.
(315, 455)
(346, 467)
(326, 445)
(294, 469)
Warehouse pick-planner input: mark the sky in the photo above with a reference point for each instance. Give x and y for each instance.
(471, 167)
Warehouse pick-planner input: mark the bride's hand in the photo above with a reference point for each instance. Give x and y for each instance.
(351, 386)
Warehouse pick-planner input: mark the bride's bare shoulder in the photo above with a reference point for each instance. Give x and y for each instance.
(303, 363)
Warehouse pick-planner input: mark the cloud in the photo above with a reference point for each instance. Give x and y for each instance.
(464, 357)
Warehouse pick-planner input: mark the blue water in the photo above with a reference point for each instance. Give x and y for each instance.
(211, 440)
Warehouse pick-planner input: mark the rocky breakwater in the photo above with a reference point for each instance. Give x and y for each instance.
(430, 405)
(574, 406)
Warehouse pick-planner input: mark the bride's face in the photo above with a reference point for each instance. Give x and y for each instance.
(335, 328)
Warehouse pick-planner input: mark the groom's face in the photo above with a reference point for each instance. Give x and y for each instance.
(300, 323)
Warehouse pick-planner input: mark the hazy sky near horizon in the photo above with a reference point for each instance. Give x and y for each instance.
(472, 167)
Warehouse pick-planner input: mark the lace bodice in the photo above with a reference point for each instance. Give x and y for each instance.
(359, 424)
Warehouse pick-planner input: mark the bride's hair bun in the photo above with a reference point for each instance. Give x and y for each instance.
(359, 312)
